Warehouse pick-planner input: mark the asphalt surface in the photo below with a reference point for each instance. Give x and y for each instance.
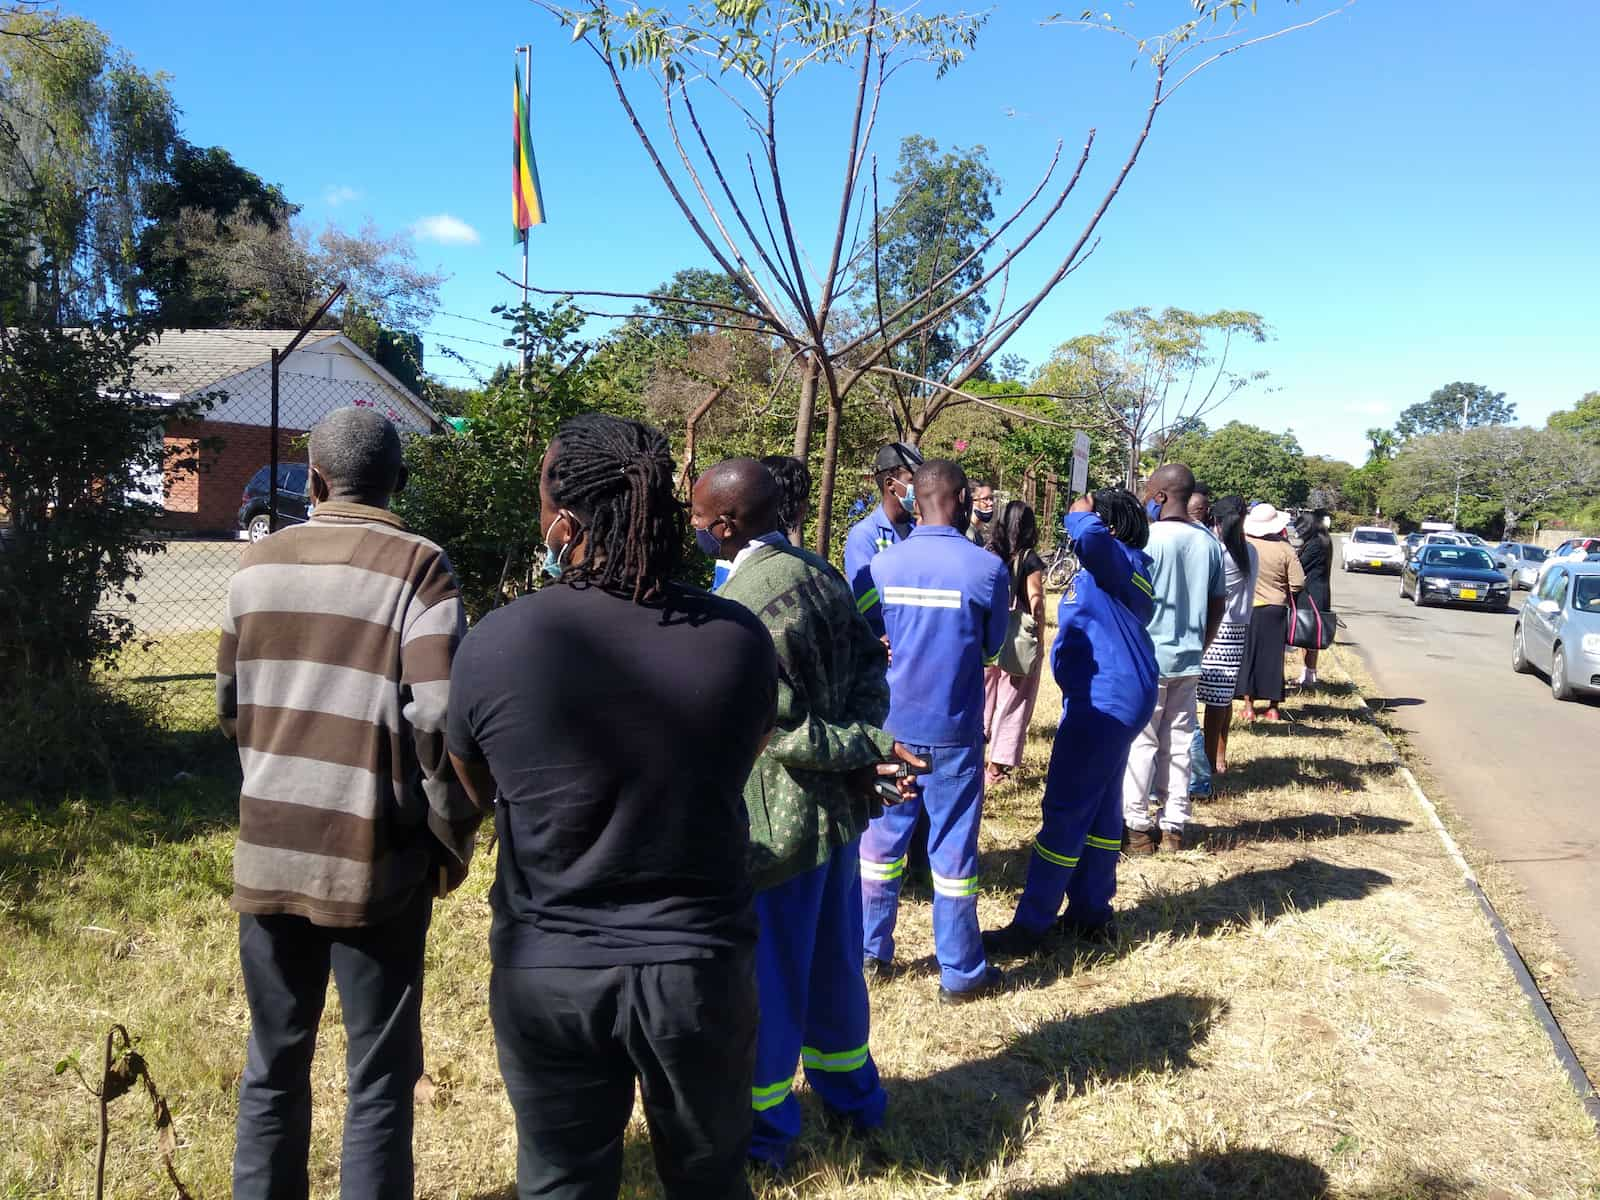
(183, 589)
(1514, 762)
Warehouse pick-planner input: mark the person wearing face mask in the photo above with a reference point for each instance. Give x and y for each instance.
(809, 798)
(946, 606)
(620, 713)
(982, 512)
(887, 525)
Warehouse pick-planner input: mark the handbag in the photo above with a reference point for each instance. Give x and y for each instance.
(1019, 654)
(1309, 627)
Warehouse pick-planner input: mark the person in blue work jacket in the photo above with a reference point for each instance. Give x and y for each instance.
(1105, 664)
(887, 525)
(946, 609)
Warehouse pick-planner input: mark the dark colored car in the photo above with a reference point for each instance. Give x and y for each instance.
(293, 499)
(1446, 574)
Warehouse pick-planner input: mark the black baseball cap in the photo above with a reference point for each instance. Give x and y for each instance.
(896, 455)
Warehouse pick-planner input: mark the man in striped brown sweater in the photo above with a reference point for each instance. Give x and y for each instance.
(333, 675)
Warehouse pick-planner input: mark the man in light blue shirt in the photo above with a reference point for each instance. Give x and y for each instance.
(1190, 591)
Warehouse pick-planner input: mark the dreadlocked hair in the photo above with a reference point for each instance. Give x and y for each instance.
(616, 476)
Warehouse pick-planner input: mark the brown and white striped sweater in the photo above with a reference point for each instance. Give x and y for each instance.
(335, 664)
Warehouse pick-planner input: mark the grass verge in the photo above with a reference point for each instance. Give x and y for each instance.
(1308, 1006)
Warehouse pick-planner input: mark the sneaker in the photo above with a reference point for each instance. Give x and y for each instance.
(1138, 841)
(1101, 933)
(1013, 941)
(877, 970)
(1172, 841)
(994, 979)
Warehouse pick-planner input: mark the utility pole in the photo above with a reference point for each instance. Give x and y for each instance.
(1461, 462)
(527, 234)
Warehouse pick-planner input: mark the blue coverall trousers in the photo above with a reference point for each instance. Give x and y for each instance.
(814, 1007)
(953, 795)
(1075, 853)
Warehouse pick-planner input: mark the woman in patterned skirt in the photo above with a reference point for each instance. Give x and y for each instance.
(1219, 669)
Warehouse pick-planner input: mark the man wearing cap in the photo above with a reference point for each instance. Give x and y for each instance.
(887, 525)
(1190, 595)
(946, 604)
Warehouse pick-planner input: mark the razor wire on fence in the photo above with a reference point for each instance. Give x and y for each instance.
(215, 488)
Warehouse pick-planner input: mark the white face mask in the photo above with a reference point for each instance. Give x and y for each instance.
(1327, 522)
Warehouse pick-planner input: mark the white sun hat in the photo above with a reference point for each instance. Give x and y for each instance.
(1265, 521)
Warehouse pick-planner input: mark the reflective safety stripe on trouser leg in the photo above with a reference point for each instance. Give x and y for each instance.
(1050, 856)
(774, 1094)
(843, 1060)
(1100, 843)
(955, 889)
(879, 872)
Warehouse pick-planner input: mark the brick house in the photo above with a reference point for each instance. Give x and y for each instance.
(233, 367)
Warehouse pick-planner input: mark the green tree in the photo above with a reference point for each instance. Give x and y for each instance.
(1328, 479)
(83, 132)
(77, 443)
(203, 182)
(1249, 460)
(1381, 444)
(1455, 406)
(1148, 375)
(1582, 420)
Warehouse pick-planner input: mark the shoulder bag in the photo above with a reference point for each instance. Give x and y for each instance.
(1019, 656)
(1309, 627)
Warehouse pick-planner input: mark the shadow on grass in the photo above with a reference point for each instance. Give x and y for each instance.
(1265, 894)
(1271, 773)
(965, 1120)
(1293, 725)
(1304, 827)
(1236, 1174)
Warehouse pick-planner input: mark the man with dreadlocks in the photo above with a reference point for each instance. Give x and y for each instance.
(620, 714)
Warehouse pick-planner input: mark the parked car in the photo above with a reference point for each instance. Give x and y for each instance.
(294, 499)
(1372, 548)
(1412, 542)
(1558, 631)
(1572, 550)
(1454, 573)
(1521, 562)
(1425, 540)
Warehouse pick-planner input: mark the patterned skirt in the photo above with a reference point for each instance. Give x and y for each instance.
(1219, 669)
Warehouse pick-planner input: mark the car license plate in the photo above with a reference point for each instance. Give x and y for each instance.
(1376, 562)
(1469, 593)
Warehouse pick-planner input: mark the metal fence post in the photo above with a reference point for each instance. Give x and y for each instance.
(272, 461)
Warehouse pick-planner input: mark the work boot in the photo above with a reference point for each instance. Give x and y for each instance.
(1138, 841)
(1014, 941)
(1100, 933)
(1172, 841)
(877, 970)
(994, 979)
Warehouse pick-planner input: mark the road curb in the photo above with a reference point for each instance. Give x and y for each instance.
(1576, 1075)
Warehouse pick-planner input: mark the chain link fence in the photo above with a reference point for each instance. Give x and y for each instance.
(215, 489)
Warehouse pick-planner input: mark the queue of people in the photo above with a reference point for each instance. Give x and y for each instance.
(706, 803)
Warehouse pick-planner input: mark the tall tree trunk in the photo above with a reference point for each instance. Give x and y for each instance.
(806, 417)
(1133, 464)
(830, 472)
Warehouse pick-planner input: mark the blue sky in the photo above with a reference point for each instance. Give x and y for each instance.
(1407, 192)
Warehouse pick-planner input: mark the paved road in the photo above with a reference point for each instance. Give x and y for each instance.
(1514, 762)
(183, 589)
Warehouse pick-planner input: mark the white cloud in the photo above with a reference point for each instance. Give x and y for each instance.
(336, 194)
(442, 227)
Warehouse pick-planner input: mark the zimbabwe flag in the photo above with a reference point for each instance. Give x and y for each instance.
(527, 204)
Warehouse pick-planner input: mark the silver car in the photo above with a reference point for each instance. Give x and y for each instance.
(1558, 630)
(1521, 562)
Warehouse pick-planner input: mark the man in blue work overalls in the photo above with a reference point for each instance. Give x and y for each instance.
(945, 610)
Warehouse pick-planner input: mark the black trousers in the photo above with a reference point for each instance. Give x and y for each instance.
(572, 1042)
(378, 970)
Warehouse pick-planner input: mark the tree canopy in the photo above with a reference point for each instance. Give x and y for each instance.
(1248, 460)
(1443, 410)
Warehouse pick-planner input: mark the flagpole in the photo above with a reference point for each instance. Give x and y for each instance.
(527, 100)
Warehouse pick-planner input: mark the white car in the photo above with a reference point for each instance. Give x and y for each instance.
(1372, 548)
(1572, 550)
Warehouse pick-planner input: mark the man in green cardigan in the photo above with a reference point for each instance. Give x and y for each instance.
(809, 797)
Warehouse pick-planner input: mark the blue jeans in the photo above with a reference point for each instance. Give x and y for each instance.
(378, 969)
(814, 1007)
(952, 793)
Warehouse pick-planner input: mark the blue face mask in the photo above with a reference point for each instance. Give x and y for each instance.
(1153, 508)
(910, 497)
(552, 564)
(708, 542)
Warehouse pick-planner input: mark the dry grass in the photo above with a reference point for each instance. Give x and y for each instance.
(1310, 1006)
